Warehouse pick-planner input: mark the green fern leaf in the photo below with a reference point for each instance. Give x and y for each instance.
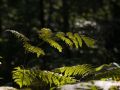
(18, 35)
(29, 48)
(46, 35)
(61, 36)
(27, 77)
(22, 77)
(79, 70)
(107, 74)
(54, 44)
(88, 41)
(78, 39)
(71, 36)
(55, 79)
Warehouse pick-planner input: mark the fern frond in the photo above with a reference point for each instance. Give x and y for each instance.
(29, 48)
(88, 41)
(78, 39)
(18, 35)
(113, 74)
(71, 36)
(61, 36)
(26, 77)
(22, 77)
(79, 70)
(50, 78)
(46, 35)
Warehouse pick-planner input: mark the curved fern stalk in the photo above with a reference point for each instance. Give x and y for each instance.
(19, 35)
(29, 48)
(76, 35)
(61, 36)
(47, 36)
(79, 70)
(27, 77)
(88, 41)
(71, 36)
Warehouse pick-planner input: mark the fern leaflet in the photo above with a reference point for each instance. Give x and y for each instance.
(79, 70)
(88, 41)
(28, 47)
(61, 36)
(71, 36)
(78, 39)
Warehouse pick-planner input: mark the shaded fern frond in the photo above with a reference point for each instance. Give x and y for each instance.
(79, 70)
(113, 74)
(61, 36)
(71, 36)
(26, 77)
(29, 48)
(88, 41)
(18, 35)
(78, 39)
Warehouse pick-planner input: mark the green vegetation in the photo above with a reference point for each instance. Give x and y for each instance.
(48, 44)
(36, 77)
(31, 77)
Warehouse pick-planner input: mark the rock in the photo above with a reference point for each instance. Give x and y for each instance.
(104, 85)
(7, 88)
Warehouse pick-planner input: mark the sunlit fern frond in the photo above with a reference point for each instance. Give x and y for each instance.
(88, 41)
(45, 32)
(18, 35)
(113, 74)
(78, 70)
(33, 49)
(71, 36)
(46, 35)
(22, 77)
(54, 44)
(56, 79)
(77, 36)
(27, 77)
(61, 36)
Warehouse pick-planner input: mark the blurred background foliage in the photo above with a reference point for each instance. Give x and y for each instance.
(98, 19)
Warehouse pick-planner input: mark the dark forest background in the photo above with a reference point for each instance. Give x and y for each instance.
(98, 19)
